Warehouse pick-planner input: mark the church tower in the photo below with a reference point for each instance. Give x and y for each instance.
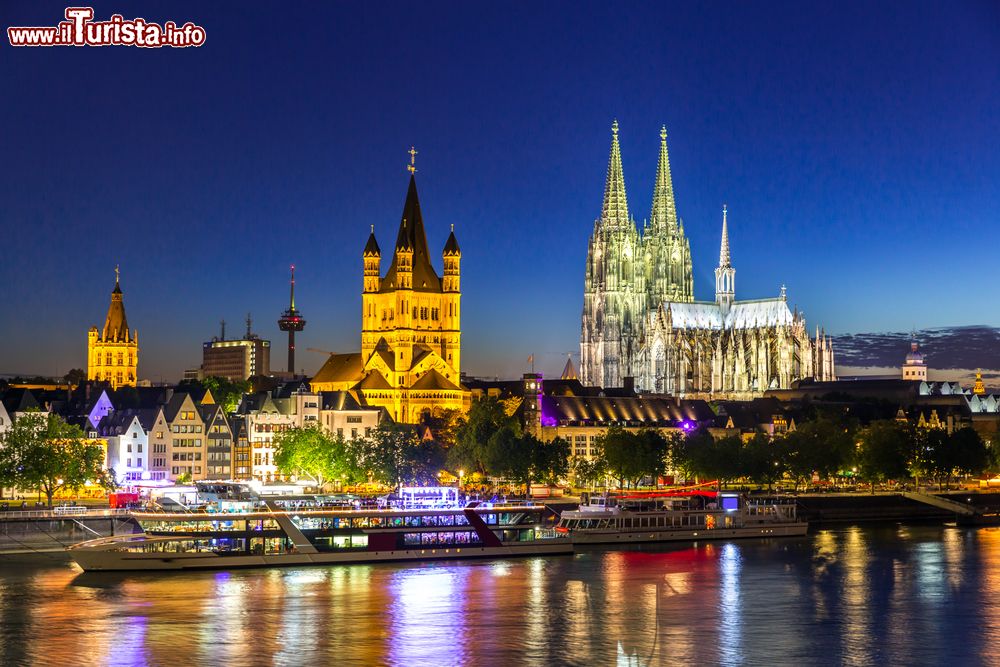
(667, 252)
(725, 274)
(614, 285)
(113, 352)
(411, 325)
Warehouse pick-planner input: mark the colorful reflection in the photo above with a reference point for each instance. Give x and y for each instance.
(875, 595)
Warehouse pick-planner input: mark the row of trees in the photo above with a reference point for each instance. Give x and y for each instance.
(487, 441)
(42, 452)
(490, 441)
(391, 454)
(883, 451)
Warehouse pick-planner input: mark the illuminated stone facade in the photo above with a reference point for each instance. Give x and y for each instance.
(628, 273)
(113, 352)
(410, 357)
(640, 318)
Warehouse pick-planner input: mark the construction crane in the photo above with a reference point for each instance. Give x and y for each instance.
(316, 349)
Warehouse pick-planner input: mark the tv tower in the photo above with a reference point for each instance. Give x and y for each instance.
(291, 321)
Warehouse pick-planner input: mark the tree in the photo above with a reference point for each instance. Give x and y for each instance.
(690, 454)
(313, 452)
(523, 458)
(970, 455)
(765, 461)
(75, 376)
(823, 447)
(932, 456)
(632, 456)
(395, 454)
(588, 472)
(885, 451)
(472, 435)
(227, 393)
(47, 454)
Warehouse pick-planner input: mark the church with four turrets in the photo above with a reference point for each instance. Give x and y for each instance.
(410, 359)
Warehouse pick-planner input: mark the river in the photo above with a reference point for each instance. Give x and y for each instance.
(874, 595)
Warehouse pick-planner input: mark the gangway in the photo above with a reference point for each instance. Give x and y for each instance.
(942, 503)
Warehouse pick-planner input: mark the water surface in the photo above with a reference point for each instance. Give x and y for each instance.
(890, 595)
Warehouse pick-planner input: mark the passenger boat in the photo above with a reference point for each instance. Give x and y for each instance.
(188, 541)
(688, 515)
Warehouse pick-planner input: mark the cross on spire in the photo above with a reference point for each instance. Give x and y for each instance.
(412, 168)
(117, 274)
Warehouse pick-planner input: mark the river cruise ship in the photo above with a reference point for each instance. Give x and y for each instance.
(667, 517)
(186, 540)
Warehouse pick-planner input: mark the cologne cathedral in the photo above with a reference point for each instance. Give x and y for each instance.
(641, 321)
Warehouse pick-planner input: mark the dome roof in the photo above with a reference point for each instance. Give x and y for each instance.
(913, 356)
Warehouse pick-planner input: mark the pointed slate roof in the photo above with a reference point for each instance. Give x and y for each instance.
(371, 248)
(115, 324)
(451, 246)
(614, 210)
(569, 371)
(413, 238)
(663, 216)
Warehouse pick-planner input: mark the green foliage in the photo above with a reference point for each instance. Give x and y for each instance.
(823, 446)
(313, 452)
(970, 455)
(886, 451)
(394, 454)
(523, 458)
(631, 456)
(764, 461)
(588, 472)
(472, 435)
(227, 393)
(41, 451)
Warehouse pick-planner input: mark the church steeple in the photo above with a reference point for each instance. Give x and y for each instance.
(614, 211)
(115, 324)
(411, 247)
(663, 216)
(725, 275)
(724, 248)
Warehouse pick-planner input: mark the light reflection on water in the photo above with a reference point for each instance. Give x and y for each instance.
(855, 596)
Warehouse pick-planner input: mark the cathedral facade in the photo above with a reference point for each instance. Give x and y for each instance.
(410, 359)
(640, 318)
(113, 352)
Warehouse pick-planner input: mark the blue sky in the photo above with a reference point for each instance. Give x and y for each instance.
(856, 145)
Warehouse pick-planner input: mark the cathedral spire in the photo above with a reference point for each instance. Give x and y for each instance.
(725, 275)
(664, 210)
(724, 249)
(614, 211)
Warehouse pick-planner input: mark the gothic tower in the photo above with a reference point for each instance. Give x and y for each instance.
(667, 250)
(113, 352)
(614, 297)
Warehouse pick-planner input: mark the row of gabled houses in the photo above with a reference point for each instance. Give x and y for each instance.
(159, 435)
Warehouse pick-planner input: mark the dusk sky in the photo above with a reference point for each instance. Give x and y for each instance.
(856, 144)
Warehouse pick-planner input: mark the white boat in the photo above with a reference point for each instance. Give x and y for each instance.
(183, 541)
(699, 515)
